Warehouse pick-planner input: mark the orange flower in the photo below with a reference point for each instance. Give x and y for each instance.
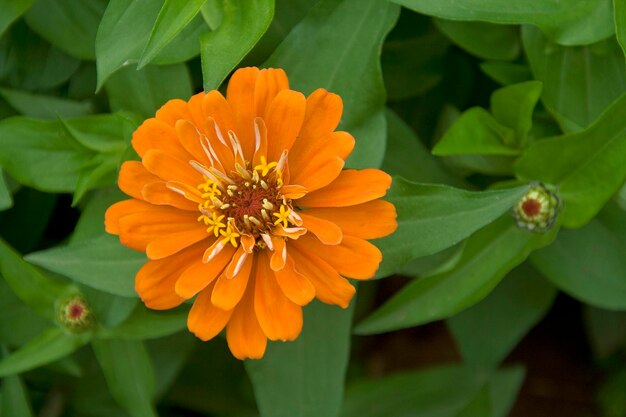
(243, 202)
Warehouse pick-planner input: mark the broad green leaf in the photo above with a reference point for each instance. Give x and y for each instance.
(147, 324)
(18, 323)
(15, 401)
(27, 62)
(588, 166)
(6, 199)
(108, 310)
(447, 391)
(488, 331)
(305, 378)
(11, 11)
(186, 44)
(90, 223)
(213, 12)
(35, 289)
(578, 83)
(488, 256)
(49, 346)
(43, 106)
(144, 92)
(406, 73)
(173, 17)
(484, 40)
(506, 73)
(568, 22)
(104, 133)
(434, 217)
(347, 37)
(223, 48)
(169, 355)
(606, 330)
(129, 374)
(589, 264)
(38, 154)
(68, 25)
(513, 106)
(620, 22)
(102, 263)
(477, 132)
(406, 155)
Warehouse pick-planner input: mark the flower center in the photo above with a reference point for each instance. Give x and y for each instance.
(531, 207)
(246, 202)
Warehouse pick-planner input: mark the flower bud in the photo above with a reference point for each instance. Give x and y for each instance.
(74, 314)
(538, 209)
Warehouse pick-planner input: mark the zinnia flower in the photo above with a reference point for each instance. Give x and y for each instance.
(243, 201)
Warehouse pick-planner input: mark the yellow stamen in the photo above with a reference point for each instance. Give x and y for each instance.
(282, 216)
(230, 234)
(264, 167)
(214, 223)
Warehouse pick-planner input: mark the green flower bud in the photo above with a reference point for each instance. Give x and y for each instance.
(538, 209)
(74, 314)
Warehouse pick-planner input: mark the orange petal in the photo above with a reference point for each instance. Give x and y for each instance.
(133, 176)
(155, 281)
(294, 285)
(260, 141)
(279, 256)
(351, 187)
(173, 111)
(243, 332)
(294, 191)
(330, 287)
(158, 193)
(216, 107)
(189, 137)
(170, 244)
(352, 258)
(327, 232)
(269, 83)
(279, 318)
(198, 276)
(240, 97)
(196, 109)
(284, 119)
(323, 113)
(228, 291)
(154, 134)
(316, 163)
(205, 320)
(171, 168)
(120, 209)
(370, 220)
(218, 141)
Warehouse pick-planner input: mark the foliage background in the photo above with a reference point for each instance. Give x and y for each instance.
(465, 101)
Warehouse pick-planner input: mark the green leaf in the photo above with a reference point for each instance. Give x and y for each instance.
(11, 11)
(68, 25)
(506, 73)
(90, 224)
(589, 264)
(488, 331)
(144, 92)
(406, 155)
(578, 83)
(35, 289)
(225, 47)
(447, 391)
(18, 323)
(588, 166)
(6, 198)
(104, 133)
(147, 324)
(129, 374)
(347, 37)
(513, 106)
(186, 44)
(43, 106)
(101, 263)
(484, 40)
(568, 22)
(488, 256)
(620, 22)
(307, 375)
(173, 17)
(15, 400)
(476, 132)
(434, 217)
(49, 346)
(108, 310)
(122, 35)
